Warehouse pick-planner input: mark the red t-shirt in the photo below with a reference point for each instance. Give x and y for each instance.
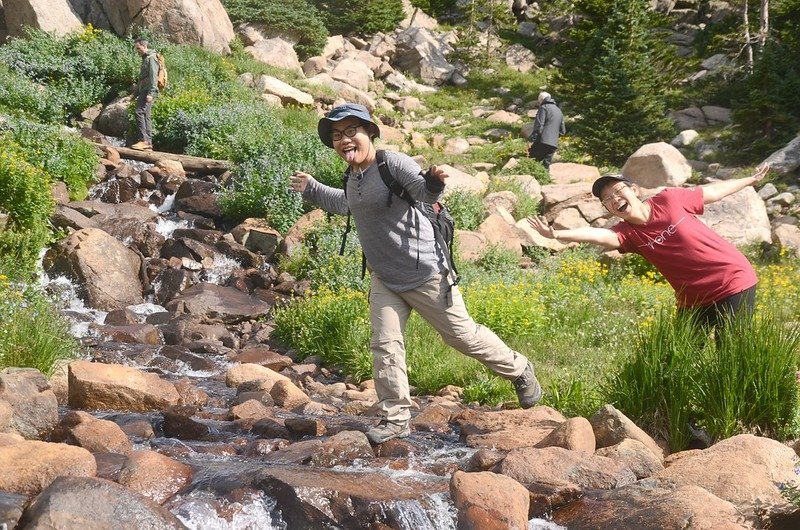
(701, 266)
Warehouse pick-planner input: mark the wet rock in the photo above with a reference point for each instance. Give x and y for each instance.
(109, 465)
(316, 498)
(396, 449)
(120, 317)
(186, 248)
(206, 237)
(298, 453)
(213, 303)
(170, 282)
(137, 429)
(107, 272)
(28, 406)
(484, 460)
(132, 334)
(11, 508)
(250, 410)
(93, 434)
(96, 386)
(134, 233)
(29, 466)
(434, 418)
(487, 501)
(239, 253)
(180, 423)
(155, 476)
(343, 448)
(300, 427)
(263, 356)
(64, 217)
(94, 504)
(190, 394)
(271, 428)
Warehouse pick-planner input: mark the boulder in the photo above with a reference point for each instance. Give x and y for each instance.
(48, 15)
(740, 218)
(28, 406)
(95, 504)
(105, 269)
(154, 475)
(97, 386)
(657, 164)
(201, 22)
(29, 466)
(487, 501)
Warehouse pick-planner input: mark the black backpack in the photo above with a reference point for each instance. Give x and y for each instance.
(437, 213)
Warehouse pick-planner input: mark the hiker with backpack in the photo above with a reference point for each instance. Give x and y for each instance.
(146, 91)
(409, 264)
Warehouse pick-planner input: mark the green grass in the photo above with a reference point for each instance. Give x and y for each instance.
(32, 333)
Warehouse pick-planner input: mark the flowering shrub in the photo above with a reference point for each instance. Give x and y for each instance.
(27, 201)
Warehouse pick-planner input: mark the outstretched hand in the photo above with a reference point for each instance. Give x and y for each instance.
(439, 172)
(761, 172)
(540, 224)
(298, 181)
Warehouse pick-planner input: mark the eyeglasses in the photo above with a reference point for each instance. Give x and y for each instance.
(615, 194)
(349, 132)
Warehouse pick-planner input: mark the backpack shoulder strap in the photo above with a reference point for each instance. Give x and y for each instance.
(386, 176)
(345, 178)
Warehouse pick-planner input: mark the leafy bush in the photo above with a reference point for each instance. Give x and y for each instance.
(21, 97)
(27, 201)
(467, 209)
(79, 69)
(63, 156)
(32, 333)
(260, 189)
(357, 16)
(260, 185)
(297, 18)
(318, 260)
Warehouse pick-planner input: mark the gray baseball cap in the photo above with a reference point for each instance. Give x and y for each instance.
(601, 183)
(348, 110)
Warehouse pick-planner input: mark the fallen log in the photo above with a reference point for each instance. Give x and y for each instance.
(190, 163)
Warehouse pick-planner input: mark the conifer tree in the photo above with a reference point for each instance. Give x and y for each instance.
(615, 82)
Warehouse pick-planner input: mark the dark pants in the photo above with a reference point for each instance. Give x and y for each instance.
(543, 153)
(143, 123)
(740, 303)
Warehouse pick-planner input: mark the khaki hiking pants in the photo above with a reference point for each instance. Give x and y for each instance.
(389, 312)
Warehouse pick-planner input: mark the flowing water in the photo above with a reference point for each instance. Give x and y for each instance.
(207, 504)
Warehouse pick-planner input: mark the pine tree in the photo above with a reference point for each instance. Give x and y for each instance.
(614, 82)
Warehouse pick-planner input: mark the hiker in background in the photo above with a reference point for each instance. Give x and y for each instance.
(409, 269)
(146, 91)
(549, 125)
(709, 275)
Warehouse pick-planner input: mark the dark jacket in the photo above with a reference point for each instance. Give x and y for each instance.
(549, 124)
(148, 75)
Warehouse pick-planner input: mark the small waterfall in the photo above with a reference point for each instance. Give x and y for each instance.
(198, 511)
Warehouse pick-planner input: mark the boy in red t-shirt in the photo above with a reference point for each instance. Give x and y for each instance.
(707, 272)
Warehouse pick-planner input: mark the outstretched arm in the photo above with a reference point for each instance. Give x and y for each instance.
(719, 190)
(597, 236)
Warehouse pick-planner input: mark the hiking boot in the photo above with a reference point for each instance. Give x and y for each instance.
(388, 430)
(529, 391)
(142, 146)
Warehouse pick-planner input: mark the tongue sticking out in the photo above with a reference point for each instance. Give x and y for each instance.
(350, 156)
